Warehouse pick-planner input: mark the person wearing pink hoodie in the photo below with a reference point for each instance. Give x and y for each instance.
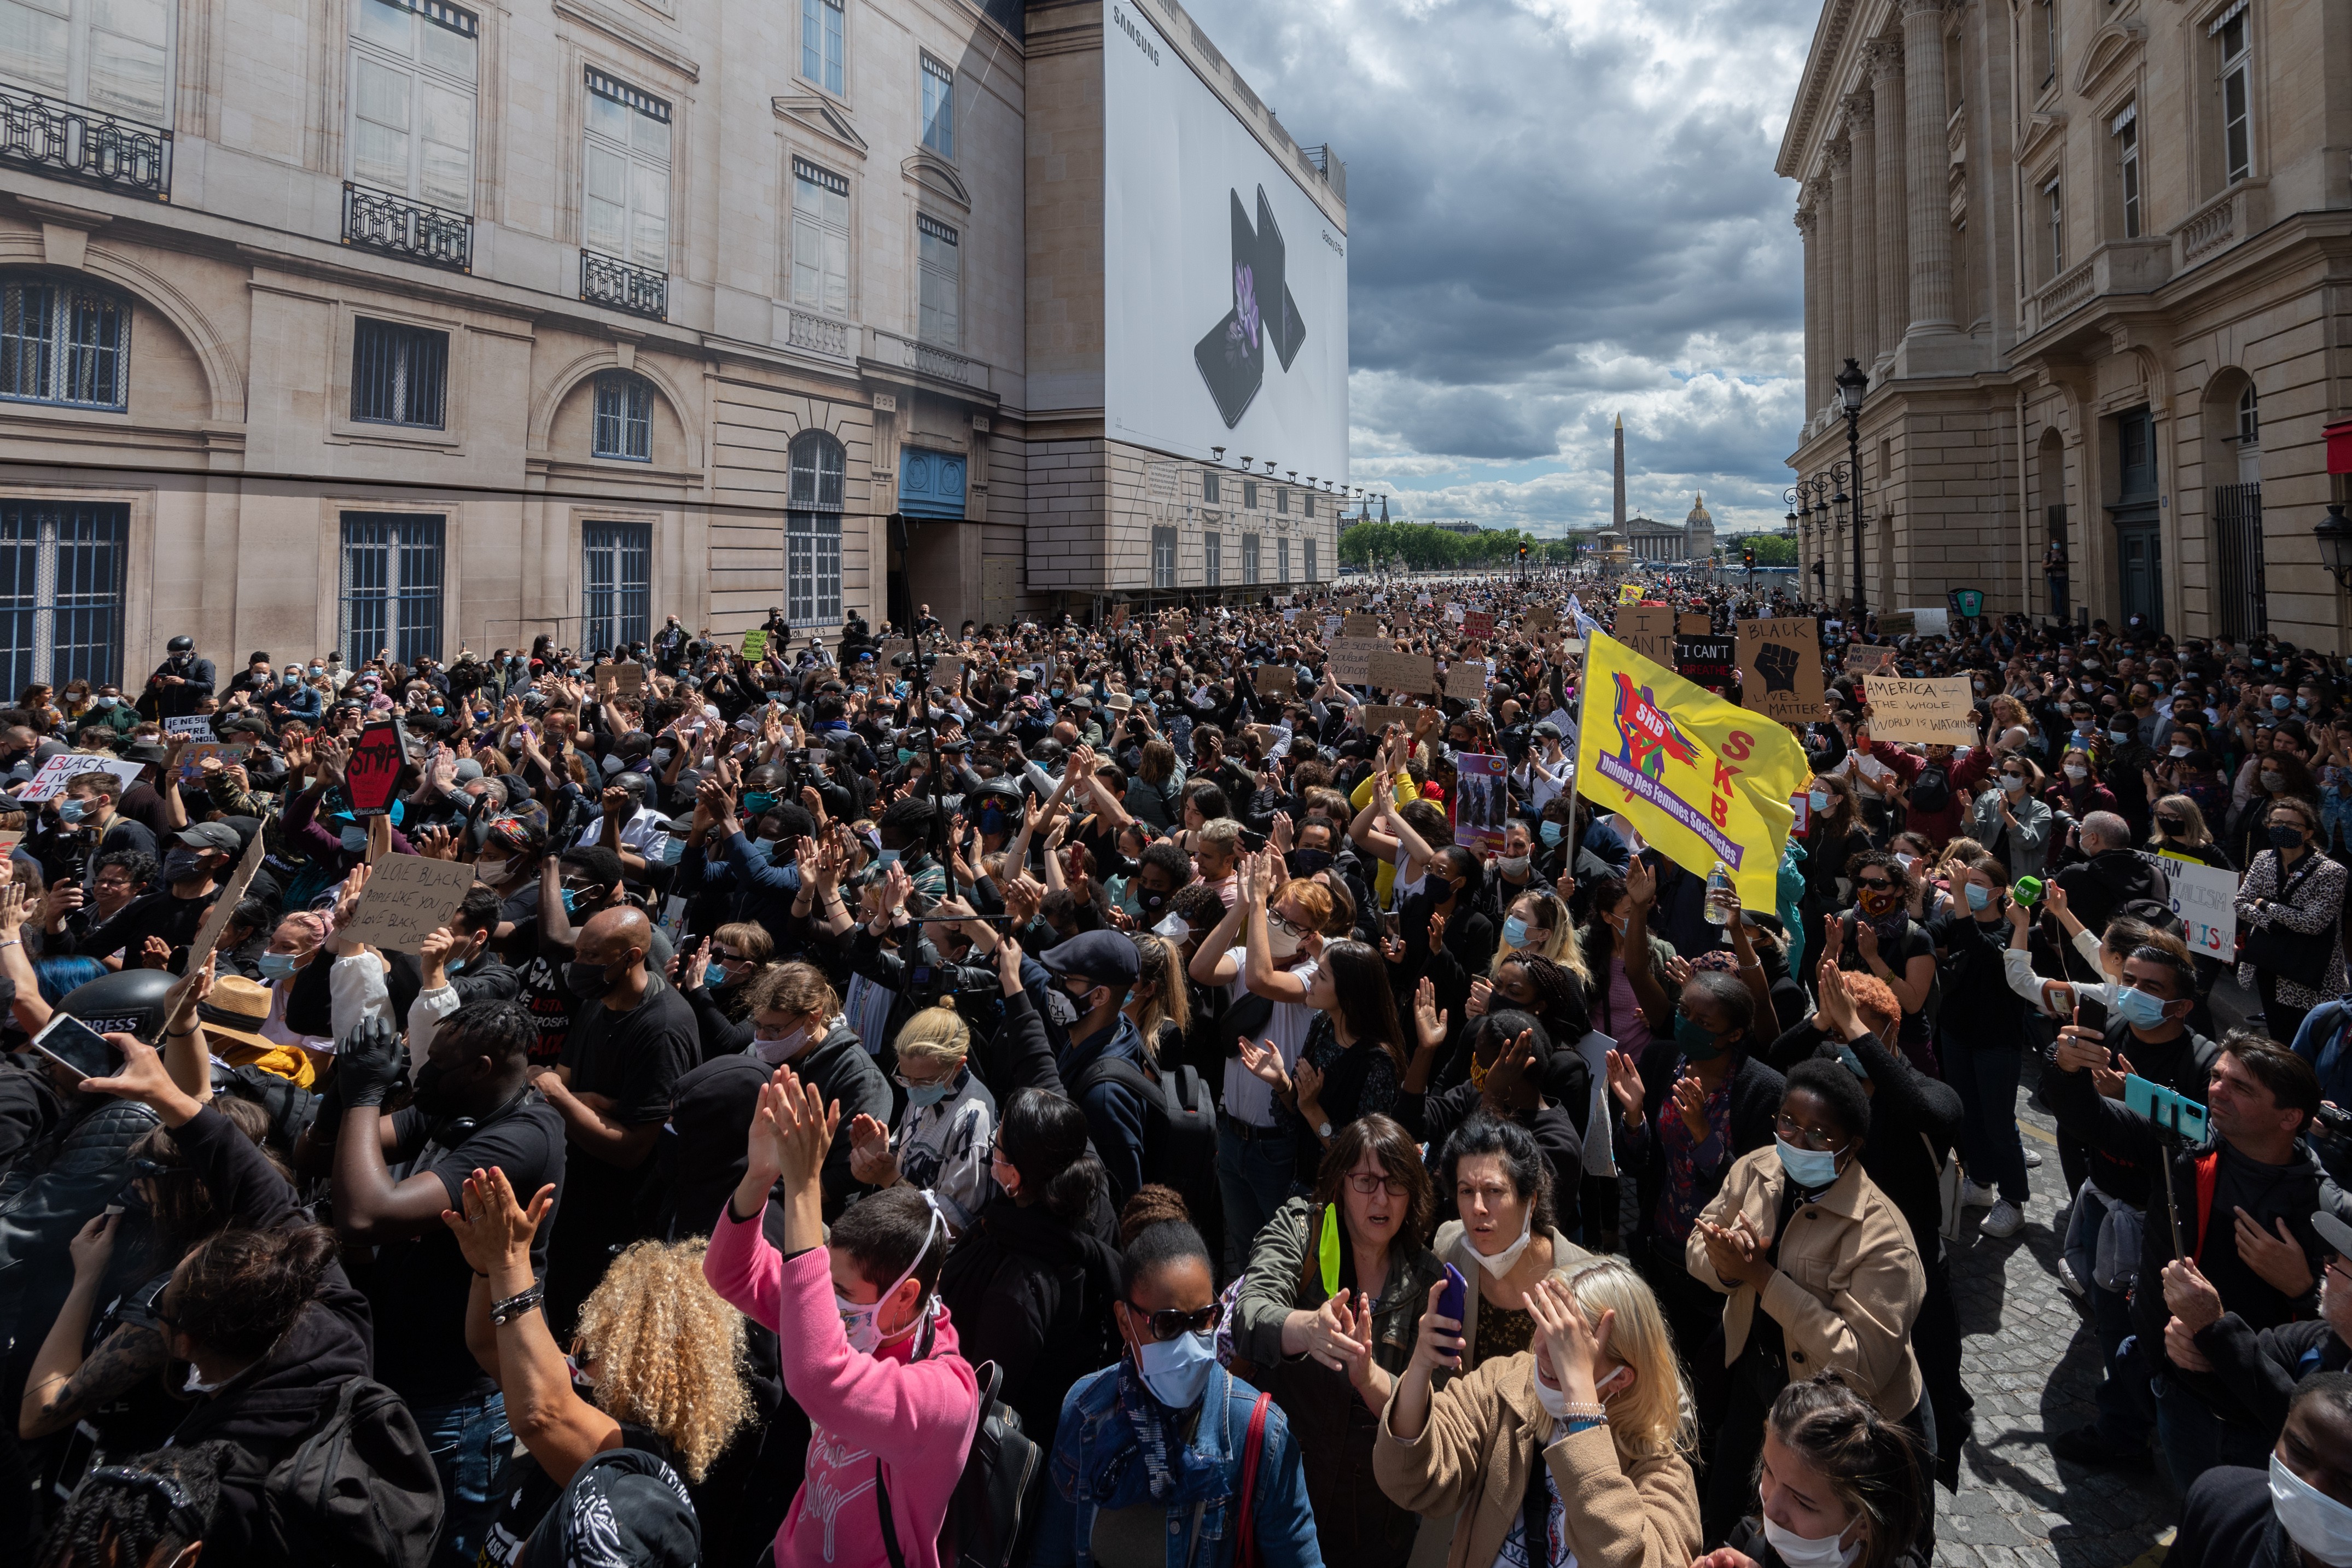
(869, 1349)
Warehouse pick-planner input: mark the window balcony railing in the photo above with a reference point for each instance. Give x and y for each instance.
(639, 291)
(818, 335)
(374, 220)
(69, 143)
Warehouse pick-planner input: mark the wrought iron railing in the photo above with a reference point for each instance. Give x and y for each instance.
(398, 226)
(69, 143)
(639, 291)
(2241, 606)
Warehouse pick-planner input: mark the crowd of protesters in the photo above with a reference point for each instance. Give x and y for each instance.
(1068, 1094)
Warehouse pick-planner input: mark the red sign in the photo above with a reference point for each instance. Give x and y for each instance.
(375, 770)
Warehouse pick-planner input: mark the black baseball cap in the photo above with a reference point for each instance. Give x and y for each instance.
(1105, 957)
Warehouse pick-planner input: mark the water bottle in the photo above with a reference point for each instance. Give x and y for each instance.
(1718, 896)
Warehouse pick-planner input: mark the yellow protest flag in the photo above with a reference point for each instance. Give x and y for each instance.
(1703, 778)
(1629, 593)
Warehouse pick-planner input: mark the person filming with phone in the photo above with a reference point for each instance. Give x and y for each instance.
(2235, 1212)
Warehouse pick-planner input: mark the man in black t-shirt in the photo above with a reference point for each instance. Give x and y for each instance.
(474, 1108)
(632, 1041)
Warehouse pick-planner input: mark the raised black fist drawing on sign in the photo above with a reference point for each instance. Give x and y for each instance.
(1777, 664)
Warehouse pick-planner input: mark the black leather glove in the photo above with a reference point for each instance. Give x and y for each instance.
(368, 1062)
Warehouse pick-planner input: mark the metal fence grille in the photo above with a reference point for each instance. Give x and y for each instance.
(61, 569)
(392, 586)
(2239, 611)
(617, 583)
(60, 343)
(400, 375)
(812, 569)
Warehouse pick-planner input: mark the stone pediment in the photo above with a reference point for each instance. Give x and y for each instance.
(937, 175)
(823, 116)
(2114, 51)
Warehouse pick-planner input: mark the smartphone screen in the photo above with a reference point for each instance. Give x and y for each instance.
(2089, 1012)
(74, 1045)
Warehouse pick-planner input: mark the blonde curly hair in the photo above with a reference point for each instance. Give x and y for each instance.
(668, 1352)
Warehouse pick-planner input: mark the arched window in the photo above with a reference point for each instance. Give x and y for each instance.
(624, 416)
(62, 340)
(813, 531)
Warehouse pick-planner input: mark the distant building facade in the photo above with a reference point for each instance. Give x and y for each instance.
(2091, 254)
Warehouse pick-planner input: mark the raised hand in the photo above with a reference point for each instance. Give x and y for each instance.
(871, 1160)
(1429, 1024)
(1264, 1061)
(493, 1228)
(1625, 1086)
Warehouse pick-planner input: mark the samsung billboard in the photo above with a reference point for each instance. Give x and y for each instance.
(1225, 286)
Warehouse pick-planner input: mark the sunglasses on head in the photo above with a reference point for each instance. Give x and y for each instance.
(1168, 1321)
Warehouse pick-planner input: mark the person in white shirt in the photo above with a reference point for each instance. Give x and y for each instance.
(642, 831)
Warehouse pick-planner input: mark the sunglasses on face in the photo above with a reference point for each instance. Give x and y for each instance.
(1877, 881)
(1169, 1322)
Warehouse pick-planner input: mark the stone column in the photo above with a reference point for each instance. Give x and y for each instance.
(1927, 163)
(1808, 223)
(1885, 59)
(1864, 177)
(1838, 181)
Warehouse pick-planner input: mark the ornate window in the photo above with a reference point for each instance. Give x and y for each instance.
(63, 341)
(412, 101)
(813, 531)
(820, 238)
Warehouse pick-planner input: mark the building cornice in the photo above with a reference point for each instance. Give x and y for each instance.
(1816, 87)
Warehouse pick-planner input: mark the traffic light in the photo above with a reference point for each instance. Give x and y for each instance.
(1747, 557)
(1523, 552)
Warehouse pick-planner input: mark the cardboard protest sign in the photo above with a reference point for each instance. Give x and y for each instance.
(1703, 781)
(1694, 624)
(619, 679)
(1780, 668)
(2206, 899)
(1648, 629)
(1423, 600)
(1932, 622)
(1277, 681)
(1868, 658)
(1539, 621)
(409, 897)
(1376, 718)
(374, 769)
(946, 673)
(892, 649)
(1398, 671)
(1466, 680)
(1351, 660)
(1482, 800)
(755, 644)
(1478, 624)
(1357, 623)
(1706, 659)
(1897, 622)
(1930, 712)
(194, 727)
(216, 918)
(50, 781)
(1331, 625)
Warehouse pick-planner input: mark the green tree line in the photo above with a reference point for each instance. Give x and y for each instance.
(1427, 549)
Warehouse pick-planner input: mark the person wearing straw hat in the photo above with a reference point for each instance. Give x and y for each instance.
(233, 1017)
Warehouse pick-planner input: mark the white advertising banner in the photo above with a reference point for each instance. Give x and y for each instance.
(1224, 287)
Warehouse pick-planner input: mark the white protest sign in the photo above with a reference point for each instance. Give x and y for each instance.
(50, 781)
(2206, 899)
(194, 725)
(409, 897)
(1931, 712)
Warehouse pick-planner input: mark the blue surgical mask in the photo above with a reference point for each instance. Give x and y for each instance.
(2139, 1009)
(2280, 702)
(354, 841)
(1177, 1370)
(920, 1095)
(275, 966)
(1515, 931)
(1978, 895)
(1811, 1169)
(1552, 832)
(714, 976)
(673, 850)
(888, 857)
(1818, 799)
(905, 755)
(71, 811)
(571, 902)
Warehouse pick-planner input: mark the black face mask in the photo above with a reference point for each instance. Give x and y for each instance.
(183, 863)
(588, 980)
(1307, 862)
(432, 1091)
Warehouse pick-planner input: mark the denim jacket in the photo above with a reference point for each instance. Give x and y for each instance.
(1096, 1464)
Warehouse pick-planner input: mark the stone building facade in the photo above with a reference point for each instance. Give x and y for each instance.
(2093, 256)
(440, 323)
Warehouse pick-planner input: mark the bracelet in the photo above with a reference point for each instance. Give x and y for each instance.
(1584, 1422)
(181, 1033)
(513, 1307)
(1593, 1411)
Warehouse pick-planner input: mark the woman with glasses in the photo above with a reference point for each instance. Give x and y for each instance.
(941, 1141)
(2010, 821)
(1578, 1441)
(1327, 1316)
(1150, 1461)
(1821, 1275)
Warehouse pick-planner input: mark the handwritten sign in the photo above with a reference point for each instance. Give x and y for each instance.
(619, 679)
(408, 898)
(1331, 625)
(1279, 682)
(1539, 621)
(1649, 631)
(50, 781)
(1466, 680)
(1868, 658)
(1352, 660)
(1478, 625)
(1897, 622)
(1706, 661)
(216, 918)
(1405, 671)
(1359, 623)
(1376, 718)
(755, 644)
(374, 769)
(2206, 899)
(1780, 668)
(947, 673)
(190, 727)
(1694, 624)
(1931, 712)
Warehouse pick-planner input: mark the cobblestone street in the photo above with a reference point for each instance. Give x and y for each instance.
(2031, 1363)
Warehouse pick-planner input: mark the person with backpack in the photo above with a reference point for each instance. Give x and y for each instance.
(1094, 971)
(276, 1345)
(1936, 780)
(869, 1351)
(1167, 1454)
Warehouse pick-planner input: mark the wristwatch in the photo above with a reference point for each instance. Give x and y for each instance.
(1323, 1131)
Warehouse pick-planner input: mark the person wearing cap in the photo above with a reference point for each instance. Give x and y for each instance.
(193, 866)
(178, 682)
(1092, 974)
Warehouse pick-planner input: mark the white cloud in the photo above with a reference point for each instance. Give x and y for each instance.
(1560, 210)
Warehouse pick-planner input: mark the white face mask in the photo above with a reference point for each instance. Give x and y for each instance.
(862, 1324)
(2312, 1519)
(1807, 1552)
(1500, 1263)
(775, 1050)
(1281, 944)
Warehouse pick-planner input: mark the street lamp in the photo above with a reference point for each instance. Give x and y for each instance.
(2334, 536)
(1852, 382)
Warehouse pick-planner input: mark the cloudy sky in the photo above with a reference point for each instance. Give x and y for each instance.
(1558, 210)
